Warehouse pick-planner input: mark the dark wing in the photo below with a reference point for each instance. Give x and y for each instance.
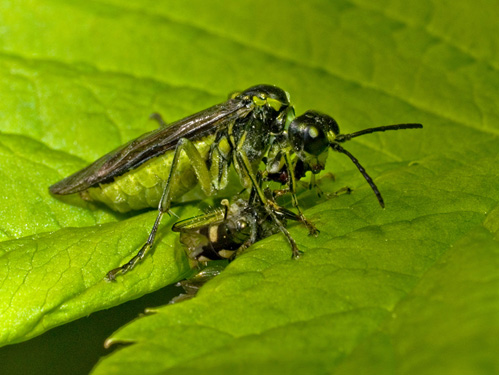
(150, 145)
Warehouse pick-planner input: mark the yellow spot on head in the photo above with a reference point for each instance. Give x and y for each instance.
(259, 102)
(274, 103)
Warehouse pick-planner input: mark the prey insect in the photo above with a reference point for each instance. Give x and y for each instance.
(304, 147)
(226, 232)
(157, 168)
(192, 284)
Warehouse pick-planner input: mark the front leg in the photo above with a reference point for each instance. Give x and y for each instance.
(312, 230)
(270, 206)
(315, 184)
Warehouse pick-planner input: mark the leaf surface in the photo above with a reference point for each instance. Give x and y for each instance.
(409, 289)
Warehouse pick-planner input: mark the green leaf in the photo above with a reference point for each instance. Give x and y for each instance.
(370, 292)
(412, 288)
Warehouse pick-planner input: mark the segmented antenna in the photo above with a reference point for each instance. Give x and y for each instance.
(347, 137)
(337, 147)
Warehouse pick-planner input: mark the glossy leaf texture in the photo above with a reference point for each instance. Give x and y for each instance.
(409, 289)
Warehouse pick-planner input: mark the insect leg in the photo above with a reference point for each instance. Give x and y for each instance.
(111, 275)
(292, 243)
(314, 184)
(192, 285)
(270, 206)
(203, 175)
(292, 188)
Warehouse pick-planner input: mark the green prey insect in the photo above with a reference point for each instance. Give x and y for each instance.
(157, 168)
(304, 147)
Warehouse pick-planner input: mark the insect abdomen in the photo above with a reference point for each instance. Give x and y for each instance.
(142, 187)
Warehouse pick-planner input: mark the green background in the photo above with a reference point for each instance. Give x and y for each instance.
(406, 290)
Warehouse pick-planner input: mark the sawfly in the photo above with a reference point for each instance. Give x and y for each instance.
(157, 168)
(160, 166)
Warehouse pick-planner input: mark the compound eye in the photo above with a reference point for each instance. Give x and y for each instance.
(308, 132)
(315, 141)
